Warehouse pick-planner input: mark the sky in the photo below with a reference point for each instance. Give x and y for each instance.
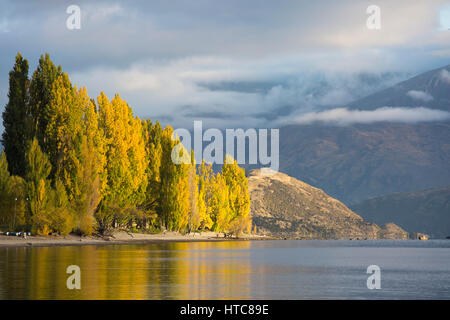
(233, 63)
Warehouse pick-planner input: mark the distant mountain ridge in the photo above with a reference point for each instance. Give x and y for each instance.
(283, 206)
(426, 211)
(430, 89)
(362, 161)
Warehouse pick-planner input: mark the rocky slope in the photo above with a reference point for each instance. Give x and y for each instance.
(392, 231)
(285, 207)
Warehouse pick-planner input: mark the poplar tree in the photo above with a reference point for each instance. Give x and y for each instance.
(167, 173)
(174, 186)
(63, 132)
(220, 206)
(151, 206)
(12, 193)
(90, 173)
(76, 149)
(180, 216)
(17, 201)
(38, 169)
(125, 152)
(15, 117)
(238, 197)
(194, 218)
(41, 86)
(153, 139)
(58, 216)
(205, 176)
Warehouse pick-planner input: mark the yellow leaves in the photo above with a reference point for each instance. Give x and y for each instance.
(12, 197)
(95, 144)
(40, 194)
(238, 197)
(224, 202)
(64, 127)
(42, 229)
(112, 156)
(220, 210)
(125, 150)
(55, 217)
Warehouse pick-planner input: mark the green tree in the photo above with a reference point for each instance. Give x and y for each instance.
(5, 190)
(90, 172)
(153, 135)
(77, 149)
(41, 87)
(38, 169)
(15, 117)
(58, 216)
(63, 132)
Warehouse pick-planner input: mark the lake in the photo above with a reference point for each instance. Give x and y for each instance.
(291, 269)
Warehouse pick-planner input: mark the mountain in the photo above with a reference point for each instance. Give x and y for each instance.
(430, 89)
(283, 206)
(357, 162)
(361, 161)
(425, 211)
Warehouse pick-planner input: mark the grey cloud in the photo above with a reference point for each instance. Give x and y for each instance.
(194, 112)
(180, 89)
(261, 60)
(123, 32)
(276, 113)
(163, 119)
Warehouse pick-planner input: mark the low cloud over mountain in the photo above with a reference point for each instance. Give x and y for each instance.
(420, 95)
(342, 116)
(429, 90)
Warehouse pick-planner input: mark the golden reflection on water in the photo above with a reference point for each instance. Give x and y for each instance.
(175, 270)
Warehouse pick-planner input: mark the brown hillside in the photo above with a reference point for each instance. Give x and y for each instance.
(283, 206)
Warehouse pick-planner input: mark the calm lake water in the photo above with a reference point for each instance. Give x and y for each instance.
(230, 270)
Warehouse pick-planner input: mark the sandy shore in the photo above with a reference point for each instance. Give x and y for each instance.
(120, 237)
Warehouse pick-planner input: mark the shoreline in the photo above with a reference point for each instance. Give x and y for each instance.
(123, 237)
(120, 237)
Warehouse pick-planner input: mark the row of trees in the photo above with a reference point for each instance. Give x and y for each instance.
(71, 163)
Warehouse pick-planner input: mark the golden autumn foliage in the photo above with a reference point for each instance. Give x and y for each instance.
(125, 151)
(92, 166)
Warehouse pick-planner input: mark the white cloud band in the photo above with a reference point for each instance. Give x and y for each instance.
(344, 116)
